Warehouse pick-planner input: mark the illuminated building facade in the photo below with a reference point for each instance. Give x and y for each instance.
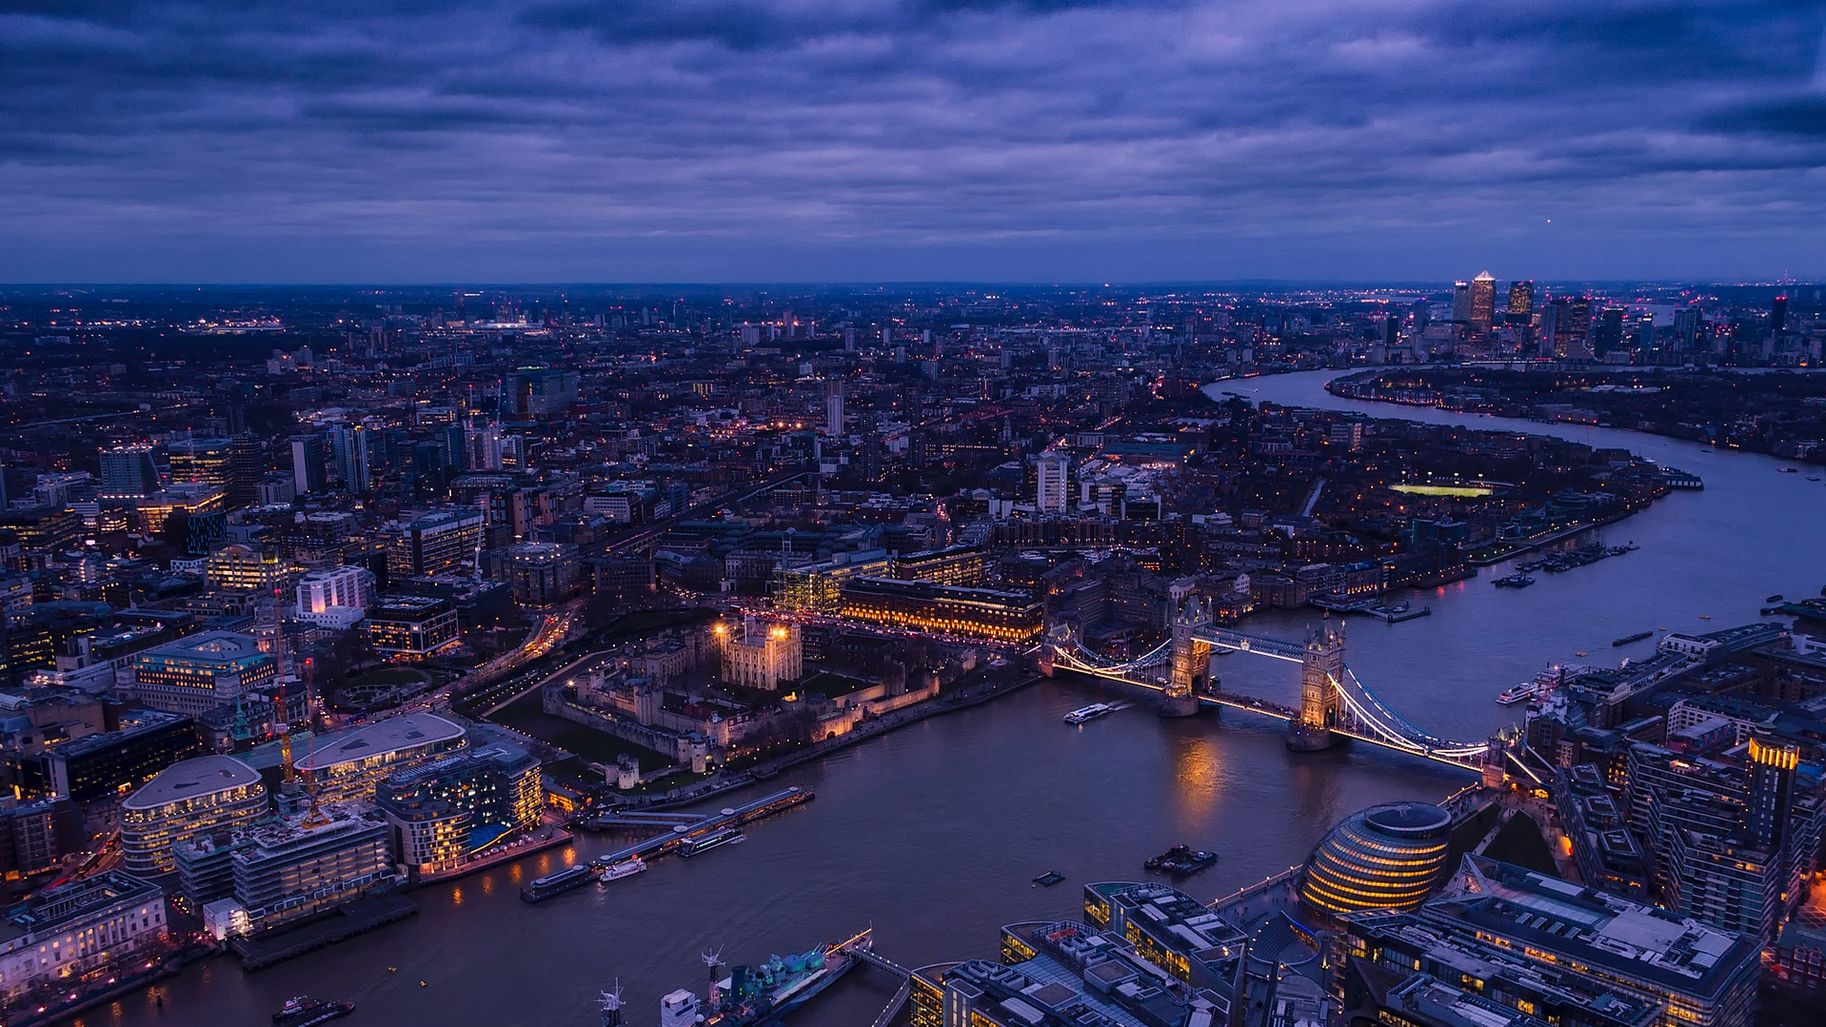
(436, 543)
(346, 766)
(914, 606)
(188, 798)
(188, 498)
(411, 627)
(197, 674)
(818, 587)
(763, 656)
(542, 573)
(1385, 857)
(337, 597)
(243, 568)
(68, 933)
(1557, 951)
(128, 471)
(442, 811)
(294, 868)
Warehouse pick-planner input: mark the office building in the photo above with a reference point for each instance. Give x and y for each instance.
(411, 627)
(237, 567)
(307, 464)
(80, 930)
(345, 766)
(1052, 482)
(197, 674)
(350, 452)
(440, 542)
(337, 597)
(112, 763)
(1521, 301)
(1558, 951)
(189, 798)
(1461, 301)
(1384, 857)
(537, 392)
(35, 835)
(442, 811)
(542, 573)
(128, 471)
(233, 464)
(1483, 301)
(763, 656)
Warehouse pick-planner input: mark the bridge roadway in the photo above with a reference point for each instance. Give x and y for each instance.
(1264, 707)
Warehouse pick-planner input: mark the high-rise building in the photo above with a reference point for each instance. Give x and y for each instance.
(1521, 301)
(1778, 315)
(1483, 301)
(238, 567)
(350, 451)
(1461, 301)
(1772, 765)
(833, 408)
(128, 471)
(188, 798)
(542, 573)
(537, 392)
(1052, 484)
(307, 463)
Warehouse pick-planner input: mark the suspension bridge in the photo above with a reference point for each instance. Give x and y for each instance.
(1334, 702)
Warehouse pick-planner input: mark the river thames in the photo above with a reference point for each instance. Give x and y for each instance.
(932, 833)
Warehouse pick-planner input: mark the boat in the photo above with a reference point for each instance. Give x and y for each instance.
(574, 876)
(1581, 653)
(704, 843)
(1540, 688)
(1516, 580)
(1813, 477)
(1049, 878)
(304, 1011)
(1627, 639)
(768, 992)
(1776, 598)
(1091, 712)
(1789, 470)
(1511, 696)
(616, 871)
(1180, 861)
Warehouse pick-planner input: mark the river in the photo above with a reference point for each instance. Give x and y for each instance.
(933, 832)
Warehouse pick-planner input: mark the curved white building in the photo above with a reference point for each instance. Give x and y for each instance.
(189, 798)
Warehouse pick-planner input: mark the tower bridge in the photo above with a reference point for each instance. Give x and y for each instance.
(1334, 702)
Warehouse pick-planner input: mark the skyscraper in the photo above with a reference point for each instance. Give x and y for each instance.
(1461, 301)
(307, 463)
(1051, 481)
(1772, 766)
(128, 471)
(1521, 300)
(349, 449)
(1778, 315)
(833, 408)
(1483, 301)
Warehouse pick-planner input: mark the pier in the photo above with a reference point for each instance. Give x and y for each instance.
(668, 843)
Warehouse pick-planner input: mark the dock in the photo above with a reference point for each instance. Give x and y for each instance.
(347, 921)
(668, 843)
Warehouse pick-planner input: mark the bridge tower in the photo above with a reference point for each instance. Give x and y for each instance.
(1321, 669)
(1191, 659)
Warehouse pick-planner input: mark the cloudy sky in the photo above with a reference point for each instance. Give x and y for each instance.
(1011, 140)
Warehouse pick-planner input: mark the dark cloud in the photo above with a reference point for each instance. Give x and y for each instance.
(796, 139)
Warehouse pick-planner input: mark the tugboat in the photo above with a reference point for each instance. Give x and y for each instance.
(305, 1011)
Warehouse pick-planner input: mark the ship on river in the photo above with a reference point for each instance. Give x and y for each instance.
(765, 992)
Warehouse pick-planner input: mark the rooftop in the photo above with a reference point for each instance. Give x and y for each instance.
(407, 731)
(187, 779)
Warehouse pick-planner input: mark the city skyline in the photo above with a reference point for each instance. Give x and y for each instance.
(898, 141)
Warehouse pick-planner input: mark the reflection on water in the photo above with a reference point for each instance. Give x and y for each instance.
(933, 833)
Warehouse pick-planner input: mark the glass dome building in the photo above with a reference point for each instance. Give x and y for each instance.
(1384, 857)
